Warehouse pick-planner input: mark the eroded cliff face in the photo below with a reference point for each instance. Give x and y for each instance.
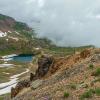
(57, 72)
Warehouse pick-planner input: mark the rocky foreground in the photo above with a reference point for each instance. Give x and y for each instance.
(75, 77)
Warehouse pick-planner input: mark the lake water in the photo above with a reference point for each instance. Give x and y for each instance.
(22, 58)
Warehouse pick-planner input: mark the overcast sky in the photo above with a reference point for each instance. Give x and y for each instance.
(67, 22)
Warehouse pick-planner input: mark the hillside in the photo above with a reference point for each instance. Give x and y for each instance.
(13, 35)
(17, 37)
(8, 24)
(74, 77)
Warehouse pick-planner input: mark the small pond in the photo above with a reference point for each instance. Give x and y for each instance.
(22, 58)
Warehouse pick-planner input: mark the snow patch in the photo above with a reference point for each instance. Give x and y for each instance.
(7, 59)
(3, 34)
(8, 56)
(6, 87)
(6, 65)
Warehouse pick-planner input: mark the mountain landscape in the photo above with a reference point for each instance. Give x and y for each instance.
(13, 35)
(18, 37)
(53, 73)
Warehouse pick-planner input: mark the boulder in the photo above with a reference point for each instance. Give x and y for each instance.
(84, 85)
(35, 84)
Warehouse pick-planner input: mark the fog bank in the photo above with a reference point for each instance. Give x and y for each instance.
(67, 22)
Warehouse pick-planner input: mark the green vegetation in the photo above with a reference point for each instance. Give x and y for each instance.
(87, 94)
(3, 97)
(26, 34)
(20, 26)
(3, 17)
(11, 71)
(73, 86)
(12, 46)
(25, 45)
(91, 66)
(97, 72)
(97, 91)
(97, 80)
(90, 93)
(66, 94)
(63, 51)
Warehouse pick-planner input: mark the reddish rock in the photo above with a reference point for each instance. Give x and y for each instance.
(21, 85)
(85, 53)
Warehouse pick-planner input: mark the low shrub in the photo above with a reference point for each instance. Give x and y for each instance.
(66, 94)
(73, 86)
(91, 66)
(97, 91)
(97, 72)
(87, 94)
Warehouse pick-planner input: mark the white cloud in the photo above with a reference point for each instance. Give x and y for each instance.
(30, 1)
(67, 22)
(41, 3)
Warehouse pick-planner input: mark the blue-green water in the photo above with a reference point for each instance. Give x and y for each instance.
(22, 58)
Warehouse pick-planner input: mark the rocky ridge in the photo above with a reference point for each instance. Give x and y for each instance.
(56, 77)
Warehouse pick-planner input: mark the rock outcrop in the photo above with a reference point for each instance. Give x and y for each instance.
(44, 63)
(21, 85)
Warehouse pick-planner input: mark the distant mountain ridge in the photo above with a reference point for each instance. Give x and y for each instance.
(18, 37)
(10, 24)
(15, 36)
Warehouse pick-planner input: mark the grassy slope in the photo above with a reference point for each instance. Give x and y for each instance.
(63, 51)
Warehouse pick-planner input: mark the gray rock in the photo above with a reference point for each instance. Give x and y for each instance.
(35, 84)
(84, 85)
(95, 58)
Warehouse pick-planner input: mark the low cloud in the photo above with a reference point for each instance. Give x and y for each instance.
(66, 22)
